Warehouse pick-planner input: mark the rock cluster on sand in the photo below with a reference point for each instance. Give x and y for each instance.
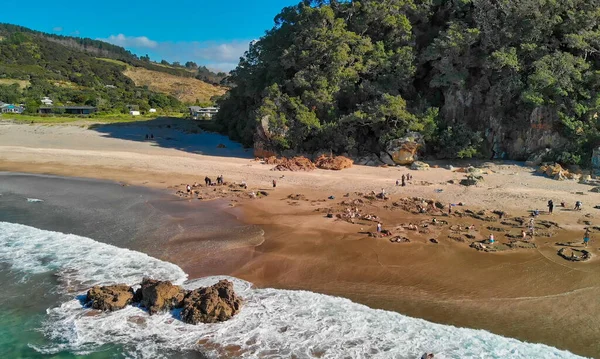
(294, 164)
(301, 163)
(212, 304)
(558, 173)
(335, 163)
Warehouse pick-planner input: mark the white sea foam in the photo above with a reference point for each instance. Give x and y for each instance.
(34, 200)
(272, 324)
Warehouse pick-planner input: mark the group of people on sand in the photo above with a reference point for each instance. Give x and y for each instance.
(151, 136)
(404, 178)
(550, 205)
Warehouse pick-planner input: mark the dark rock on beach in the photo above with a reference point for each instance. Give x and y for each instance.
(109, 298)
(213, 304)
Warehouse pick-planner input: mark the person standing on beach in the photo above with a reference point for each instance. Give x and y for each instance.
(403, 181)
(550, 206)
(188, 188)
(586, 237)
(274, 183)
(578, 206)
(531, 227)
(491, 238)
(397, 183)
(379, 227)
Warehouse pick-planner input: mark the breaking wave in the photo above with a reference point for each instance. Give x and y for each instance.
(273, 323)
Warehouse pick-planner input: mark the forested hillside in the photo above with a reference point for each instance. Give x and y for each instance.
(480, 78)
(75, 71)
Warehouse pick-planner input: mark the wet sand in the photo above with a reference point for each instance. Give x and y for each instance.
(530, 294)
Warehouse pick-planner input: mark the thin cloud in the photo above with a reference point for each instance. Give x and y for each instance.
(131, 41)
(222, 52)
(57, 29)
(219, 56)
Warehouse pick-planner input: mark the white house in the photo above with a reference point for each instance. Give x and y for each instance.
(134, 113)
(152, 110)
(203, 112)
(46, 101)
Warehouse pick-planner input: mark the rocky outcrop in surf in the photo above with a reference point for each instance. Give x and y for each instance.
(109, 298)
(216, 303)
(158, 296)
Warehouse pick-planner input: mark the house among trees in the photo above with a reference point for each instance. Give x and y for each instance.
(10, 108)
(197, 112)
(68, 110)
(46, 101)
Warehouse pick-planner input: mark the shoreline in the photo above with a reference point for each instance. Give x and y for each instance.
(532, 295)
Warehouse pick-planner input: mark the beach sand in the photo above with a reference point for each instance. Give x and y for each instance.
(529, 294)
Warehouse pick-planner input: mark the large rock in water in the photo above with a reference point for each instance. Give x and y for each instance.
(158, 296)
(213, 304)
(109, 298)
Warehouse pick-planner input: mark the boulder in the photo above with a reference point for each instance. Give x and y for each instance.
(419, 166)
(109, 298)
(471, 180)
(403, 151)
(213, 304)
(474, 171)
(336, 163)
(158, 296)
(553, 170)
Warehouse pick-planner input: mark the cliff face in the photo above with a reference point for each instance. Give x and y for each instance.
(508, 136)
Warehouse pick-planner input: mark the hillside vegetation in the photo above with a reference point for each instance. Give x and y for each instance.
(70, 71)
(185, 89)
(474, 77)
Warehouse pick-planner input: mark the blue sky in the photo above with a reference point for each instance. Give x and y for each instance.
(212, 33)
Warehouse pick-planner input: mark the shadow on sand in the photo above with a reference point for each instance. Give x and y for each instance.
(180, 134)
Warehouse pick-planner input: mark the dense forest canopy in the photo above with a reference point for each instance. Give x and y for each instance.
(474, 77)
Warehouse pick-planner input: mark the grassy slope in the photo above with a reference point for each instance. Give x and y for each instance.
(184, 89)
(22, 83)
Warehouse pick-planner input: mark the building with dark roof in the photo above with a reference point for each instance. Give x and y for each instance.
(68, 110)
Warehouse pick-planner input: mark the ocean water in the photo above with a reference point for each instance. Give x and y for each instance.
(44, 274)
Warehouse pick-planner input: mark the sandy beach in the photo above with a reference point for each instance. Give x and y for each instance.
(528, 293)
